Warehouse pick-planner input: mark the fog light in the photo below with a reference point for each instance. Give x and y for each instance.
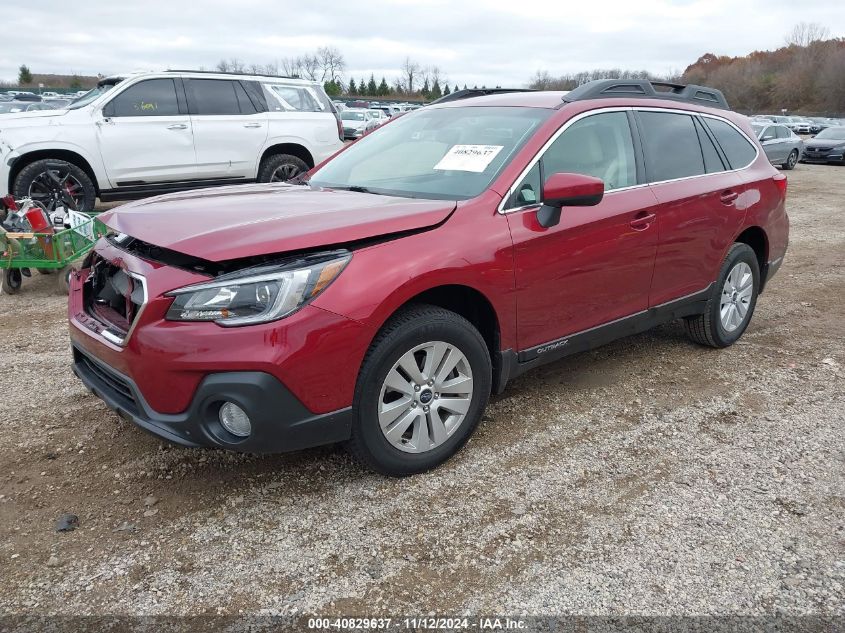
(235, 420)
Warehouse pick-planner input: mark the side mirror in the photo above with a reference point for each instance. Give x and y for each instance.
(568, 190)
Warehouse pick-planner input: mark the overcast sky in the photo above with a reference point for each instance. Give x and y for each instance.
(473, 41)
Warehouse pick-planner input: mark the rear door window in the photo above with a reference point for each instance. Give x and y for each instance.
(152, 97)
(214, 96)
(738, 149)
(671, 146)
(782, 132)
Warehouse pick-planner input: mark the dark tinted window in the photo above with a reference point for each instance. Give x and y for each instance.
(215, 96)
(671, 146)
(736, 147)
(599, 145)
(529, 190)
(244, 102)
(153, 97)
(712, 162)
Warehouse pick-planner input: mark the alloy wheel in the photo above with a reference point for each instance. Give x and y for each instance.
(425, 397)
(53, 186)
(793, 158)
(737, 293)
(284, 172)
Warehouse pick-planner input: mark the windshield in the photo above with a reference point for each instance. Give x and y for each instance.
(90, 96)
(441, 153)
(833, 133)
(346, 115)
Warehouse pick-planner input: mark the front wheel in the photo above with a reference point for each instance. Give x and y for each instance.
(51, 183)
(281, 168)
(732, 301)
(10, 281)
(421, 391)
(791, 160)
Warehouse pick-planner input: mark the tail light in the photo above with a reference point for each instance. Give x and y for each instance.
(780, 181)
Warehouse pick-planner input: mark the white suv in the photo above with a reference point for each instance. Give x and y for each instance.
(150, 133)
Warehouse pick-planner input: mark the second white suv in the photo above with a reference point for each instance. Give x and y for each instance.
(149, 133)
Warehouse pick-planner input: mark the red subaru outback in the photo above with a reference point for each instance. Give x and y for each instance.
(380, 300)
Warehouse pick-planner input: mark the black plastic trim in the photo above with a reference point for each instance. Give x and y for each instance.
(602, 334)
(768, 271)
(280, 422)
(645, 89)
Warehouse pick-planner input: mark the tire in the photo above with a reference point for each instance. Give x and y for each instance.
(63, 281)
(791, 160)
(281, 168)
(10, 281)
(415, 327)
(709, 328)
(32, 181)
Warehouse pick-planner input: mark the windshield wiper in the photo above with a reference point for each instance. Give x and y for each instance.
(358, 189)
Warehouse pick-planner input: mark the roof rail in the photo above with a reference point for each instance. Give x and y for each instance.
(229, 72)
(645, 89)
(477, 92)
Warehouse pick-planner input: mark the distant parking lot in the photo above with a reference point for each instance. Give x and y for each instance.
(650, 476)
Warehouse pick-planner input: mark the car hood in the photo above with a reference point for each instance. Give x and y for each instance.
(23, 117)
(243, 221)
(824, 142)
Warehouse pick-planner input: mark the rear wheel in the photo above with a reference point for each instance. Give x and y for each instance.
(421, 392)
(10, 281)
(281, 168)
(791, 160)
(732, 300)
(53, 183)
(63, 280)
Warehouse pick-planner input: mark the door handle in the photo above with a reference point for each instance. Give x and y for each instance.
(177, 126)
(728, 196)
(252, 125)
(643, 220)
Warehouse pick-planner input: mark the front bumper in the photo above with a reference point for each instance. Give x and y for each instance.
(280, 422)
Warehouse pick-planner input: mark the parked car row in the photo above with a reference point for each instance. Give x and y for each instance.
(148, 133)
(800, 124)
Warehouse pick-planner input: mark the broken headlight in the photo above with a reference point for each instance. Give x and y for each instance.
(257, 295)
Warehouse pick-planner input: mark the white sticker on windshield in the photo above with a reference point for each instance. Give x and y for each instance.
(469, 157)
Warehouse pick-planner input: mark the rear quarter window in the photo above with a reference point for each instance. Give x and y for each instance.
(738, 149)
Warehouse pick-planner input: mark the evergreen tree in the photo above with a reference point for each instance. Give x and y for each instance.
(24, 76)
(456, 88)
(383, 88)
(332, 88)
(436, 92)
(362, 87)
(372, 88)
(465, 87)
(446, 90)
(426, 90)
(76, 83)
(353, 89)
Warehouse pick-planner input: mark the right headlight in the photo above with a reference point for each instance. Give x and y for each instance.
(259, 294)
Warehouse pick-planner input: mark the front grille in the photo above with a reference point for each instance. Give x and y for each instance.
(113, 296)
(819, 150)
(117, 385)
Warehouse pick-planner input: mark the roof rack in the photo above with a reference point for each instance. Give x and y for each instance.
(477, 92)
(229, 72)
(643, 88)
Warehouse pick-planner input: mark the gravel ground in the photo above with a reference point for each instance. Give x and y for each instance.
(651, 476)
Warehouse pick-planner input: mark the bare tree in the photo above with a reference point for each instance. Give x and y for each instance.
(332, 63)
(292, 66)
(272, 68)
(410, 72)
(804, 34)
(310, 66)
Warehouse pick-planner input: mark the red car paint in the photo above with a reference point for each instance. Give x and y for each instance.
(638, 248)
